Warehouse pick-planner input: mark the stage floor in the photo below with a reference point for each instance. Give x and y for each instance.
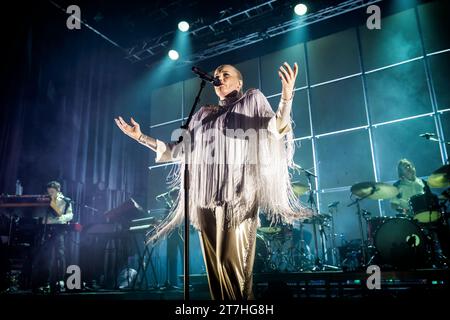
(311, 286)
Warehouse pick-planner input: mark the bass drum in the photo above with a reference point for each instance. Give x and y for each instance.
(401, 243)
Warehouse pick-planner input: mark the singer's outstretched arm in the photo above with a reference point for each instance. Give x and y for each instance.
(165, 152)
(134, 132)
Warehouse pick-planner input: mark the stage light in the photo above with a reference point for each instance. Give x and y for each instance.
(183, 26)
(173, 54)
(300, 9)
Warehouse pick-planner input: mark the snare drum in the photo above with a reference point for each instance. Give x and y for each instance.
(425, 207)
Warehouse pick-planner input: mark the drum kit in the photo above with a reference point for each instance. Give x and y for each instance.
(406, 241)
(283, 248)
(409, 240)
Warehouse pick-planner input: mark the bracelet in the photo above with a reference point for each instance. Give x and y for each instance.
(287, 100)
(139, 139)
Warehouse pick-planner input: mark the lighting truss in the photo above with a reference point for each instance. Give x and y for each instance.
(155, 46)
(279, 29)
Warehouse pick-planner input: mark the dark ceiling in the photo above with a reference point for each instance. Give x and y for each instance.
(130, 23)
(135, 25)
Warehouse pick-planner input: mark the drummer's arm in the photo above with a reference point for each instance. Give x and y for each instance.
(399, 205)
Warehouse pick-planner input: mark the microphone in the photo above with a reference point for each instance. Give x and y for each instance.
(427, 135)
(207, 77)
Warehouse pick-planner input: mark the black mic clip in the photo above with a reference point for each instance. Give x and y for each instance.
(427, 135)
(207, 77)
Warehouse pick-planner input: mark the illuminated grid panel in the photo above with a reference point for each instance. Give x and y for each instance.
(434, 22)
(399, 140)
(391, 57)
(333, 57)
(397, 41)
(398, 92)
(166, 104)
(304, 156)
(445, 118)
(300, 112)
(270, 63)
(344, 159)
(338, 106)
(440, 68)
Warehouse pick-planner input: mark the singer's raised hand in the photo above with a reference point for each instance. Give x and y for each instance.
(133, 130)
(288, 77)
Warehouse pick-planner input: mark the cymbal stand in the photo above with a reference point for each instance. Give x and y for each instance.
(361, 232)
(323, 239)
(303, 251)
(334, 254)
(314, 209)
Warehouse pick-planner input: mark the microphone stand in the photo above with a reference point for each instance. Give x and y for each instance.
(186, 195)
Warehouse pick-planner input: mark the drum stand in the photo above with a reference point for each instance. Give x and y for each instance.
(313, 206)
(318, 264)
(361, 231)
(438, 258)
(303, 252)
(334, 253)
(276, 254)
(323, 238)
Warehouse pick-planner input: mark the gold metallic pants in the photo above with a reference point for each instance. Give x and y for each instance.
(229, 254)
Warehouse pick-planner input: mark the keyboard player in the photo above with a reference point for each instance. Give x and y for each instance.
(49, 264)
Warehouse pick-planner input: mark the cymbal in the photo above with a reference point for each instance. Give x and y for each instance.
(269, 230)
(440, 178)
(299, 188)
(374, 190)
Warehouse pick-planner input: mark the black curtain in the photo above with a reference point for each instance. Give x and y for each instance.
(61, 90)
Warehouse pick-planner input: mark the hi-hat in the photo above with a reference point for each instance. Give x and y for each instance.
(269, 230)
(440, 178)
(374, 190)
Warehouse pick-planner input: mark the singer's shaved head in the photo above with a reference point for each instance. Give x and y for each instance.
(231, 79)
(228, 66)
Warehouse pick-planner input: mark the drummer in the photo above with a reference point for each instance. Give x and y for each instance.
(408, 185)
